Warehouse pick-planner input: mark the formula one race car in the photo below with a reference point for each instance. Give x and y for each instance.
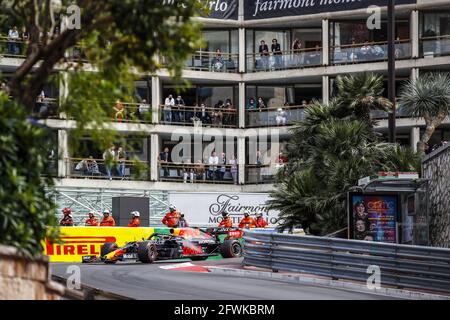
(229, 237)
(180, 243)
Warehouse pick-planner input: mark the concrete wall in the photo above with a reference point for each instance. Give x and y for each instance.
(23, 279)
(436, 167)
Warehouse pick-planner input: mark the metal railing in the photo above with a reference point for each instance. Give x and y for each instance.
(212, 62)
(274, 116)
(131, 112)
(368, 52)
(89, 168)
(13, 48)
(435, 46)
(198, 173)
(403, 266)
(260, 173)
(199, 116)
(287, 59)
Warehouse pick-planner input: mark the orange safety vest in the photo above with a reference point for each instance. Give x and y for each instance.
(92, 222)
(108, 222)
(226, 223)
(135, 222)
(248, 222)
(260, 223)
(171, 219)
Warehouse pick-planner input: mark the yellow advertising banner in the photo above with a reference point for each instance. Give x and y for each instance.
(82, 241)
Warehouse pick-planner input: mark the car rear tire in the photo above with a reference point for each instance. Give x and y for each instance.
(198, 258)
(108, 247)
(231, 249)
(146, 252)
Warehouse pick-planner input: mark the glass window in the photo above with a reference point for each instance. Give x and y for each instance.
(435, 34)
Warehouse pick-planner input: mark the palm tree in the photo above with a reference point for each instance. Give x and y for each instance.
(358, 95)
(427, 97)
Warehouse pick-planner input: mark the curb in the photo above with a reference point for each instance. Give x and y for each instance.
(388, 292)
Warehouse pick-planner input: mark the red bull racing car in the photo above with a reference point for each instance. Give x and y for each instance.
(180, 243)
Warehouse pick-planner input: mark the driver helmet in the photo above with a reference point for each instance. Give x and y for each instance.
(246, 213)
(66, 211)
(135, 214)
(172, 207)
(106, 211)
(224, 214)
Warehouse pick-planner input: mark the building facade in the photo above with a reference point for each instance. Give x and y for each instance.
(263, 63)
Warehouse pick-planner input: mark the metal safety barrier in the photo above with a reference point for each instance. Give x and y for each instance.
(402, 266)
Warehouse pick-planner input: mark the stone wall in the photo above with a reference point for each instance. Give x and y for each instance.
(25, 279)
(436, 168)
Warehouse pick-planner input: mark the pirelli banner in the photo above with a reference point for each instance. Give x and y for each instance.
(263, 9)
(201, 209)
(76, 242)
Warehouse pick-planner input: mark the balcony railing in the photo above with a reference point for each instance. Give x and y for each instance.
(199, 116)
(277, 116)
(131, 112)
(260, 173)
(16, 48)
(368, 52)
(435, 46)
(89, 168)
(290, 59)
(46, 108)
(212, 62)
(198, 173)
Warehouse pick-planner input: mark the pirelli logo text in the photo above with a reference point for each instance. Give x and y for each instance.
(77, 245)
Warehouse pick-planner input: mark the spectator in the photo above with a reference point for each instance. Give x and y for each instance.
(41, 104)
(92, 166)
(168, 104)
(353, 51)
(223, 168)
(164, 159)
(200, 170)
(213, 161)
(258, 158)
(264, 54)
(92, 221)
(230, 112)
(203, 114)
(109, 157)
(262, 112)
(108, 220)
(297, 50)
(188, 171)
(234, 169)
(366, 51)
(121, 157)
(217, 62)
(178, 114)
(13, 38)
(119, 110)
(251, 105)
(182, 223)
(281, 117)
(304, 104)
(217, 114)
(144, 109)
(277, 54)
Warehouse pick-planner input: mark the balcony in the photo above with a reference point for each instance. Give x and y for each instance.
(291, 59)
(12, 48)
(211, 62)
(277, 116)
(199, 116)
(198, 173)
(90, 168)
(368, 52)
(261, 174)
(435, 46)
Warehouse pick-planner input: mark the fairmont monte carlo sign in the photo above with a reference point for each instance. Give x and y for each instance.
(218, 9)
(263, 9)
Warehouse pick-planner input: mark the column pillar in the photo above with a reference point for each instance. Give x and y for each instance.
(156, 98)
(63, 153)
(415, 137)
(241, 105)
(241, 159)
(154, 152)
(63, 91)
(414, 74)
(414, 31)
(325, 42)
(325, 89)
(242, 53)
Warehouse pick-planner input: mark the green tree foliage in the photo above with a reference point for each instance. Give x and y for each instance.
(26, 211)
(330, 150)
(121, 41)
(428, 97)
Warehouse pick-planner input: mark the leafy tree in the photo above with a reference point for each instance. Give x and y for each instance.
(428, 97)
(330, 150)
(121, 41)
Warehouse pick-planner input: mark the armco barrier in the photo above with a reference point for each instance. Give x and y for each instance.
(403, 266)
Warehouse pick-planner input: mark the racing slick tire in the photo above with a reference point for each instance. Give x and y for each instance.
(198, 258)
(107, 248)
(146, 252)
(231, 249)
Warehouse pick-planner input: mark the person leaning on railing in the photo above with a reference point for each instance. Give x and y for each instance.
(13, 37)
(200, 170)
